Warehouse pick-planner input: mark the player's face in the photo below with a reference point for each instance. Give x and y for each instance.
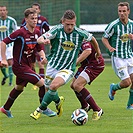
(3, 12)
(69, 25)
(123, 13)
(32, 20)
(36, 8)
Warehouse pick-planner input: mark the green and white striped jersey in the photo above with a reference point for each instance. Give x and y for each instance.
(65, 47)
(117, 34)
(7, 26)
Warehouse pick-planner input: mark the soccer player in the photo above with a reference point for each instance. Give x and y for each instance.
(7, 26)
(25, 42)
(89, 69)
(65, 40)
(43, 26)
(117, 40)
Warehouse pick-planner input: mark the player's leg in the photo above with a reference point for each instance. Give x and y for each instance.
(84, 104)
(3, 70)
(54, 79)
(87, 76)
(130, 99)
(121, 71)
(15, 92)
(9, 56)
(10, 62)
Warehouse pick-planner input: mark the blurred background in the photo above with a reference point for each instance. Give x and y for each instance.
(93, 15)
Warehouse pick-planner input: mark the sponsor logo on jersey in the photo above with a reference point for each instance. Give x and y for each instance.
(68, 45)
(3, 28)
(124, 37)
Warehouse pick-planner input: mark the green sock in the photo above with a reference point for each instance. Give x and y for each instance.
(3, 70)
(49, 96)
(116, 87)
(130, 100)
(10, 74)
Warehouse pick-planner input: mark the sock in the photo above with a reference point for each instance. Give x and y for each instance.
(41, 72)
(3, 70)
(50, 95)
(12, 96)
(10, 74)
(116, 87)
(89, 99)
(41, 93)
(83, 103)
(130, 100)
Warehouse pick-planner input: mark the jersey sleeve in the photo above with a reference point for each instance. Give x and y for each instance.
(14, 25)
(86, 46)
(51, 34)
(39, 47)
(109, 31)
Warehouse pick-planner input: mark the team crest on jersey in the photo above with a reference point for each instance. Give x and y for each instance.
(124, 37)
(68, 45)
(3, 28)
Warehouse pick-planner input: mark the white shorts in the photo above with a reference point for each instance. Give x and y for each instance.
(122, 67)
(52, 73)
(9, 51)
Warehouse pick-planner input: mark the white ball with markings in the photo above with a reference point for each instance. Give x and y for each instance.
(79, 117)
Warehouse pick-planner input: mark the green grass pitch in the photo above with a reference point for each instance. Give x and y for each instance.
(116, 118)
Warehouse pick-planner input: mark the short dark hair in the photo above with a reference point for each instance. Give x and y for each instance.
(36, 4)
(124, 4)
(69, 14)
(29, 11)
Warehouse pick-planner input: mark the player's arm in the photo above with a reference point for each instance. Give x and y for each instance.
(83, 56)
(96, 46)
(107, 45)
(41, 40)
(3, 54)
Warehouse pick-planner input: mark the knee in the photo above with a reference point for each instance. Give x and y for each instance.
(76, 86)
(53, 86)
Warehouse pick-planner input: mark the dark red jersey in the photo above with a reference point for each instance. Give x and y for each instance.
(42, 24)
(91, 60)
(25, 43)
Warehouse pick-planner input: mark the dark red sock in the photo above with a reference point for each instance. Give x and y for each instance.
(84, 104)
(12, 97)
(89, 99)
(41, 72)
(41, 93)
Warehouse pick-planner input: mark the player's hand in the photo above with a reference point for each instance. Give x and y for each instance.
(130, 36)
(46, 41)
(97, 55)
(111, 49)
(4, 63)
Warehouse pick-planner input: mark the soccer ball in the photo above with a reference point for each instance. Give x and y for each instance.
(79, 117)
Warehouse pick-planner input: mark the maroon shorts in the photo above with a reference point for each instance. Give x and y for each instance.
(25, 74)
(92, 72)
